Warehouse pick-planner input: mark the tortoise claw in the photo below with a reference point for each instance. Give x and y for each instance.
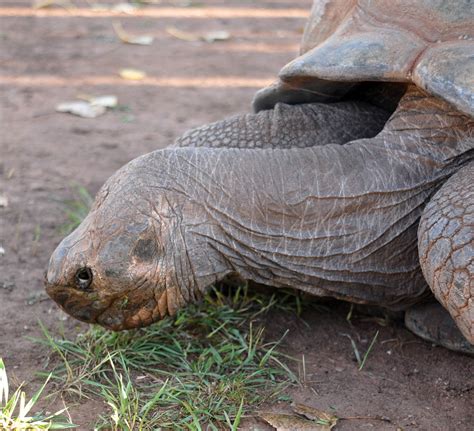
(433, 323)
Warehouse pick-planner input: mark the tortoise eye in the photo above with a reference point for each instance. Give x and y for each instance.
(83, 278)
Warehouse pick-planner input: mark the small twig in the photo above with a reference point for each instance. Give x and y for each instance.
(304, 369)
(373, 418)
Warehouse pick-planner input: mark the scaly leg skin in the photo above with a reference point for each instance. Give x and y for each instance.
(286, 126)
(446, 249)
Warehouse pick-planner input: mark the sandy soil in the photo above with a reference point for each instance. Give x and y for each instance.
(47, 58)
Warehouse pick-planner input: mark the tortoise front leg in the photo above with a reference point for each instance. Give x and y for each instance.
(446, 249)
(291, 126)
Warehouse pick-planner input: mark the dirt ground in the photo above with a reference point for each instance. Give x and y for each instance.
(51, 56)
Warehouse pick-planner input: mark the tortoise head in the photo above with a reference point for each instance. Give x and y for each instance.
(117, 268)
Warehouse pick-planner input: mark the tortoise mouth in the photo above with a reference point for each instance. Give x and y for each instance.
(83, 306)
(133, 310)
(118, 312)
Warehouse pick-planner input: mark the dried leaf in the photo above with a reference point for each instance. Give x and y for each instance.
(3, 201)
(127, 8)
(108, 101)
(182, 35)
(216, 36)
(315, 414)
(81, 109)
(212, 36)
(124, 7)
(132, 74)
(289, 422)
(99, 7)
(41, 4)
(128, 38)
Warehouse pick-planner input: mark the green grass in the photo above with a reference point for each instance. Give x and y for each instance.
(360, 360)
(16, 413)
(205, 369)
(366, 355)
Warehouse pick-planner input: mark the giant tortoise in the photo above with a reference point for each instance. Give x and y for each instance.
(353, 180)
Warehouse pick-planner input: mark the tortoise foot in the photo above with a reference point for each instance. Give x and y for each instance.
(433, 323)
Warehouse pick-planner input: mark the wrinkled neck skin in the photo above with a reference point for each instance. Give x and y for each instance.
(333, 220)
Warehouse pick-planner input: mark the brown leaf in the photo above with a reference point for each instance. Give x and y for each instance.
(132, 74)
(182, 35)
(41, 4)
(314, 414)
(131, 39)
(289, 422)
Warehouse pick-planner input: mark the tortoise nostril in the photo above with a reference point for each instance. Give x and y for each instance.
(83, 278)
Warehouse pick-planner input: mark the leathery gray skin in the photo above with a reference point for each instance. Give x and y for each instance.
(332, 211)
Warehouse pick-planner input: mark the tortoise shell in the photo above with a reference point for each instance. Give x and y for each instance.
(426, 42)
